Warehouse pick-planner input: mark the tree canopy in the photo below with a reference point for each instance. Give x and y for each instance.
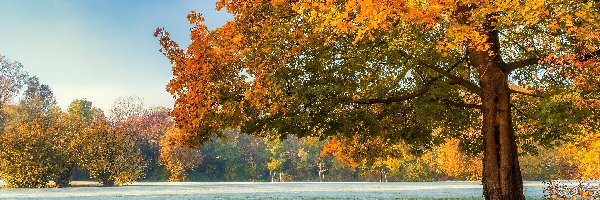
(405, 70)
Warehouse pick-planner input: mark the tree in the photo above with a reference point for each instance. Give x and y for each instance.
(584, 154)
(148, 128)
(125, 108)
(12, 79)
(177, 159)
(109, 153)
(29, 156)
(455, 164)
(68, 138)
(277, 157)
(28, 159)
(395, 69)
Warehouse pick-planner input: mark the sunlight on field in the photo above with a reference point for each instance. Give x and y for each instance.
(245, 190)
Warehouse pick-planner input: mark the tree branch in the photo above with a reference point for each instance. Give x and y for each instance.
(394, 99)
(522, 64)
(456, 80)
(535, 60)
(408, 96)
(519, 111)
(523, 91)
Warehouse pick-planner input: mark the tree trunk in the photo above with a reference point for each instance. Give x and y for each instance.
(104, 179)
(501, 173)
(108, 183)
(63, 179)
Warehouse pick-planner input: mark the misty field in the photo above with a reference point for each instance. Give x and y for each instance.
(246, 190)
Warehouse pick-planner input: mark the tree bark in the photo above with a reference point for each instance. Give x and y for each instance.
(501, 173)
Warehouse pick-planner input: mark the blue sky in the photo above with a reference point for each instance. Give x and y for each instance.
(98, 49)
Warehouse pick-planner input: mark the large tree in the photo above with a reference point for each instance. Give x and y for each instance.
(410, 70)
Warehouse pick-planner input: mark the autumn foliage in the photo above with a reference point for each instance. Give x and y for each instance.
(177, 159)
(41, 144)
(402, 71)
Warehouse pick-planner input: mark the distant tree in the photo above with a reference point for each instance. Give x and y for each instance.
(584, 155)
(542, 165)
(277, 157)
(125, 108)
(233, 157)
(29, 156)
(178, 159)
(109, 153)
(148, 128)
(68, 138)
(453, 163)
(12, 79)
(305, 158)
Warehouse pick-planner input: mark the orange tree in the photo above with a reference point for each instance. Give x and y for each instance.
(397, 69)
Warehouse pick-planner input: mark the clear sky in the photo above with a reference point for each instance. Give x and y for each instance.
(98, 49)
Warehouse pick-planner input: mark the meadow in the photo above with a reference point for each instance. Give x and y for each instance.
(267, 190)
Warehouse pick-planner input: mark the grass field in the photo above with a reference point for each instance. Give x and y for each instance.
(243, 190)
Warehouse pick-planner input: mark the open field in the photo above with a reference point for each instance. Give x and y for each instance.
(246, 190)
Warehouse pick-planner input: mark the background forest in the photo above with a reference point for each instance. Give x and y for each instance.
(40, 142)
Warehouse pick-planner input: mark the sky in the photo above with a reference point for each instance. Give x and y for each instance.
(99, 50)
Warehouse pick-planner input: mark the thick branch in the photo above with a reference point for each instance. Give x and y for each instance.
(523, 91)
(535, 60)
(521, 64)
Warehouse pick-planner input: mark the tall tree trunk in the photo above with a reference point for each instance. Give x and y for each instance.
(501, 173)
(502, 176)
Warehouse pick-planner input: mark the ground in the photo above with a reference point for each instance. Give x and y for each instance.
(240, 190)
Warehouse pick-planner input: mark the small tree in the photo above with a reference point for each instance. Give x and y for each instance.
(276, 149)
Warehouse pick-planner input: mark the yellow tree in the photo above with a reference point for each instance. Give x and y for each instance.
(109, 153)
(448, 159)
(343, 67)
(584, 153)
(29, 156)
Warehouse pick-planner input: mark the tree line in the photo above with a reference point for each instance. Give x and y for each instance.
(240, 157)
(40, 143)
